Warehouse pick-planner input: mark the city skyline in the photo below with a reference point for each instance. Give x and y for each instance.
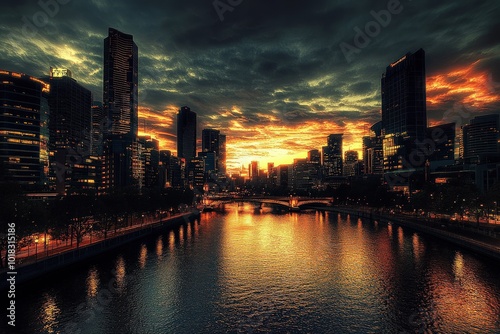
(294, 86)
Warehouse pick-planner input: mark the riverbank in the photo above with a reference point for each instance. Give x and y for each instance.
(28, 271)
(480, 244)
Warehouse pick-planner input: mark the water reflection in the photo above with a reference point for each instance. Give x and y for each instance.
(119, 273)
(143, 255)
(277, 273)
(159, 247)
(49, 314)
(92, 282)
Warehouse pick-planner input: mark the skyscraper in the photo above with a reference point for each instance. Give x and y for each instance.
(332, 156)
(121, 150)
(222, 155)
(373, 156)
(70, 124)
(481, 138)
(404, 115)
(350, 163)
(120, 100)
(22, 100)
(186, 133)
(210, 141)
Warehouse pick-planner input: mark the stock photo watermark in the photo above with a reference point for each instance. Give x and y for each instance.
(11, 274)
(221, 7)
(363, 37)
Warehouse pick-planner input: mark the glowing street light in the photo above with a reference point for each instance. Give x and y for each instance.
(36, 249)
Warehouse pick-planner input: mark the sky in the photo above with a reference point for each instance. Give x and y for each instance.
(277, 77)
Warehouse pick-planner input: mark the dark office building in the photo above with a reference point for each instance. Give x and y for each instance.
(351, 163)
(404, 115)
(332, 156)
(99, 126)
(22, 102)
(282, 177)
(196, 173)
(443, 143)
(373, 156)
(151, 159)
(210, 141)
(186, 134)
(314, 156)
(481, 139)
(222, 165)
(70, 124)
(210, 161)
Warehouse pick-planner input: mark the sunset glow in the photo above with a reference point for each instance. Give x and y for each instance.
(467, 85)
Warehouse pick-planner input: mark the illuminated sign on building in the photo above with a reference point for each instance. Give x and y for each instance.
(59, 72)
(399, 61)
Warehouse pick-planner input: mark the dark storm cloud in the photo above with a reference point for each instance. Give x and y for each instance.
(279, 58)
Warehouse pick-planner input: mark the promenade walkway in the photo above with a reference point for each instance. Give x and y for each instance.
(36, 252)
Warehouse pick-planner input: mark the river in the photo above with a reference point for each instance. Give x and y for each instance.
(259, 271)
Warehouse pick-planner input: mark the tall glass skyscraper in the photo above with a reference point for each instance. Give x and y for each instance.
(120, 94)
(121, 149)
(404, 113)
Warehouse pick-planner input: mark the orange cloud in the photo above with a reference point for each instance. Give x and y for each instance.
(467, 85)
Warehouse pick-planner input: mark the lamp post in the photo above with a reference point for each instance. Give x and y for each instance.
(36, 249)
(142, 223)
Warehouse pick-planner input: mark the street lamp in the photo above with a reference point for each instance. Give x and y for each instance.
(36, 249)
(142, 220)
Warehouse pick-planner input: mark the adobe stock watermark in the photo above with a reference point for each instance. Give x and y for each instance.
(225, 6)
(40, 19)
(372, 29)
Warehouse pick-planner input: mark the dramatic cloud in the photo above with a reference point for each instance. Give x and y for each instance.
(272, 75)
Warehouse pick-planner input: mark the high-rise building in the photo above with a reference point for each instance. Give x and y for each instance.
(373, 156)
(210, 161)
(99, 125)
(186, 133)
(210, 141)
(70, 125)
(151, 158)
(122, 161)
(282, 177)
(196, 173)
(314, 156)
(120, 94)
(443, 143)
(22, 101)
(350, 163)
(253, 170)
(332, 156)
(305, 174)
(404, 115)
(222, 166)
(481, 138)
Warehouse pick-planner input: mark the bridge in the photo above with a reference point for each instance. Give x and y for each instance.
(292, 203)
